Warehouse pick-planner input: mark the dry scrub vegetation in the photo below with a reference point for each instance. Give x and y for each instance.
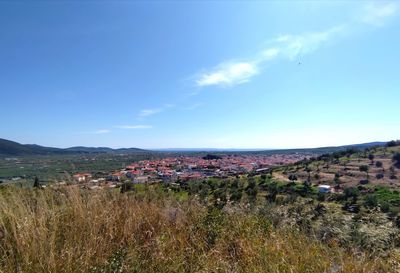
(70, 230)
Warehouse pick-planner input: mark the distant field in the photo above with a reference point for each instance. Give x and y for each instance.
(51, 168)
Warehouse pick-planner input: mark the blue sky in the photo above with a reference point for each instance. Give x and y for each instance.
(199, 74)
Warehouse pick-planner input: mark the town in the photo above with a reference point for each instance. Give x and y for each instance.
(186, 168)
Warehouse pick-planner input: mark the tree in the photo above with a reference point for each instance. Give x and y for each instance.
(272, 189)
(379, 176)
(364, 168)
(292, 177)
(392, 143)
(125, 187)
(308, 170)
(220, 198)
(36, 183)
(371, 157)
(351, 192)
(378, 164)
(371, 201)
(396, 160)
(204, 192)
(235, 191)
(252, 191)
(392, 173)
(307, 189)
(337, 179)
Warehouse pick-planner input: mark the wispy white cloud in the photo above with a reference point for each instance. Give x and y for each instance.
(290, 47)
(140, 126)
(286, 46)
(293, 46)
(153, 111)
(193, 106)
(149, 112)
(378, 13)
(97, 132)
(227, 74)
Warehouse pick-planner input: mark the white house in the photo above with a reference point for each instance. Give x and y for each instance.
(324, 188)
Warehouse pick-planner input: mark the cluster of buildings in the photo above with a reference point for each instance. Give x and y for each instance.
(185, 168)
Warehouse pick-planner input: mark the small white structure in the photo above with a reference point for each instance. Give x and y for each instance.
(324, 189)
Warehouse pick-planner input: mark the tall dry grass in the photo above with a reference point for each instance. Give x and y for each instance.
(69, 230)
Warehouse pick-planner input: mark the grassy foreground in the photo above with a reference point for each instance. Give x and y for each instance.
(70, 230)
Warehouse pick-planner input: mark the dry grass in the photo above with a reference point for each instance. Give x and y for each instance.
(69, 230)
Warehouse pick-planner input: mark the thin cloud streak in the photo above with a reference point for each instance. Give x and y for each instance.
(97, 132)
(377, 14)
(153, 111)
(194, 106)
(133, 126)
(149, 112)
(290, 47)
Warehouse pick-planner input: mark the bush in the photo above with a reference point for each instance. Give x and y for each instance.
(364, 181)
(396, 160)
(385, 207)
(393, 143)
(371, 201)
(379, 175)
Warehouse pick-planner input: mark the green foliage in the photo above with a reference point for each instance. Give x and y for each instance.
(351, 192)
(236, 191)
(252, 190)
(36, 183)
(371, 201)
(273, 190)
(393, 143)
(396, 160)
(292, 177)
(220, 198)
(363, 168)
(384, 194)
(371, 157)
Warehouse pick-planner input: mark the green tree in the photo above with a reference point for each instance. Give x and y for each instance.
(337, 179)
(307, 189)
(204, 192)
(351, 192)
(371, 201)
(36, 183)
(396, 160)
(272, 189)
(220, 198)
(125, 187)
(235, 191)
(364, 168)
(252, 191)
(292, 177)
(371, 157)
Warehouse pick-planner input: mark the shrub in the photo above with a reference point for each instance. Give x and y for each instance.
(364, 181)
(378, 164)
(371, 201)
(393, 143)
(379, 175)
(396, 160)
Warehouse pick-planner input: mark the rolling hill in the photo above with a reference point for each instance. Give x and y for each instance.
(11, 148)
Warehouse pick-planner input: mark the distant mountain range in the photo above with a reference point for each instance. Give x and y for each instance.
(319, 150)
(11, 148)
